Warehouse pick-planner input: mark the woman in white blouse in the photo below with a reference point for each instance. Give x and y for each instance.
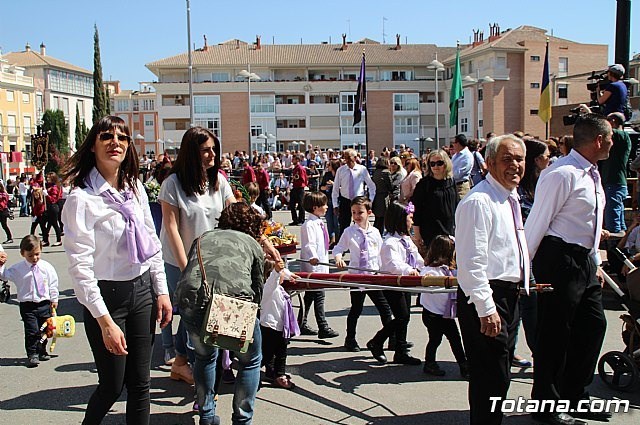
(409, 183)
(115, 263)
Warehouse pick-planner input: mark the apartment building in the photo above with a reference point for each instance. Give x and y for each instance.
(513, 59)
(58, 85)
(268, 97)
(17, 118)
(138, 109)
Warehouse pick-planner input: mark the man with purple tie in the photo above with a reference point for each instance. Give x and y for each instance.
(37, 286)
(493, 265)
(563, 231)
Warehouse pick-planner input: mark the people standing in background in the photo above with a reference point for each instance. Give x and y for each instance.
(326, 186)
(299, 182)
(53, 195)
(23, 190)
(384, 191)
(479, 168)
(408, 184)
(4, 213)
(263, 179)
(462, 161)
(395, 168)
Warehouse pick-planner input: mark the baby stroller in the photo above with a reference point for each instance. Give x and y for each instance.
(5, 292)
(620, 370)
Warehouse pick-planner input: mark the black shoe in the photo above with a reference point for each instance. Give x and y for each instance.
(8, 241)
(33, 361)
(45, 243)
(406, 358)
(293, 223)
(377, 352)
(44, 356)
(325, 333)
(306, 330)
(556, 419)
(464, 370)
(391, 346)
(432, 368)
(594, 416)
(351, 345)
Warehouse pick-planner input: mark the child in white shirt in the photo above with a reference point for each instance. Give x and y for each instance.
(315, 249)
(439, 310)
(37, 289)
(364, 242)
(254, 192)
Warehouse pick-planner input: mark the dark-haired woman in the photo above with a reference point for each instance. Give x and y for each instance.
(192, 198)
(384, 189)
(5, 213)
(54, 194)
(115, 263)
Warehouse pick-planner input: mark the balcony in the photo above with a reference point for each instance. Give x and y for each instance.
(21, 80)
(174, 112)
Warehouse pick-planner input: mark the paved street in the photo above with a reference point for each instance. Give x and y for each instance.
(333, 386)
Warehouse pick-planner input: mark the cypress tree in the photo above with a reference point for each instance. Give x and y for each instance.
(79, 136)
(100, 97)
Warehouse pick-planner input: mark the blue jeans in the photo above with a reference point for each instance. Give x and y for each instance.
(173, 275)
(614, 208)
(24, 208)
(332, 222)
(247, 379)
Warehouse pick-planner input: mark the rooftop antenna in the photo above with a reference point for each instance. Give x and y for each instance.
(384, 40)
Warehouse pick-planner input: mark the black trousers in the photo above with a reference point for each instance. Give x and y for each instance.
(53, 218)
(263, 201)
(295, 205)
(274, 351)
(344, 214)
(571, 322)
(398, 325)
(357, 305)
(41, 221)
(317, 299)
(133, 308)
(437, 327)
(33, 316)
(489, 358)
(4, 216)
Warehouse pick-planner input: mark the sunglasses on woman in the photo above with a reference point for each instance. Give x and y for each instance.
(106, 137)
(436, 163)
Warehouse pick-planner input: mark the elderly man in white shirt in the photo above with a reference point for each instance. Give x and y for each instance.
(563, 231)
(462, 164)
(349, 183)
(493, 264)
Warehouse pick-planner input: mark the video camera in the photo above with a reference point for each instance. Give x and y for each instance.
(596, 79)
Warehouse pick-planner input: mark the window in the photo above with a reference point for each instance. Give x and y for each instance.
(347, 101)
(461, 101)
(263, 103)
(406, 125)
(10, 96)
(406, 102)
(123, 105)
(323, 99)
(256, 130)
(480, 94)
(206, 104)
(220, 77)
(40, 105)
(563, 91)
(136, 105)
(464, 125)
(65, 106)
(11, 124)
(535, 58)
(213, 124)
(80, 105)
(347, 127)
(533, 112)
(501, 62)
(480, 123)
(148, 123)
(26, 121)
(535, 85)
(148, 104)
(563, 67)
(26, 98)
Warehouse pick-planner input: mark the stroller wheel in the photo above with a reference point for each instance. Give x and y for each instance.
(5, 293)
(618, 370)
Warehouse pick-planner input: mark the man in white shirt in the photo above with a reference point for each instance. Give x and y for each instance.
(348, 183)
(493, 265)
(462, 164)
(563, 231)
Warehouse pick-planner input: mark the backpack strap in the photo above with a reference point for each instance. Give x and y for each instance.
(205, 284)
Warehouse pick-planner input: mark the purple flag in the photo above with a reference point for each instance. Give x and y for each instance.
(360, 104)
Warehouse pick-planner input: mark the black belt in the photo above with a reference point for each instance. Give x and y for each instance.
(462, 182)
(572, 247)
(503, 284)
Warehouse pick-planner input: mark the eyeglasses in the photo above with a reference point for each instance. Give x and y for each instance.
(107, 137)
(560, 143)
(436, 163)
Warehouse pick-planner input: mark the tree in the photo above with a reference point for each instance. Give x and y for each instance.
(79, 135)
(100, 96)
(54, 124)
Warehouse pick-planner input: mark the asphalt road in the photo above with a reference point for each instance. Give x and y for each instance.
(333, 386)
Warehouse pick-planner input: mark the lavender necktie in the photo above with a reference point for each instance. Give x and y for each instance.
(140, 244)
(595, 175)
(451, 308)
(325, 234)
(364, 253)
(519, 228)
(39, 280)
(352, 184)
(290, 327)
(411, 259)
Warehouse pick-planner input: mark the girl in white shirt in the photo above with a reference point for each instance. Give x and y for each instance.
(115, 264)
(399, 256)
(439, 310)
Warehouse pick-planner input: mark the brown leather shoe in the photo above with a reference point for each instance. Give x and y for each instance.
(181, 372)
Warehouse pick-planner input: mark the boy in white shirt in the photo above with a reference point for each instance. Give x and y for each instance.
(364, 242)
(37, 288)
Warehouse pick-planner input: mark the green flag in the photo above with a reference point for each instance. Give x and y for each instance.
(456, 92)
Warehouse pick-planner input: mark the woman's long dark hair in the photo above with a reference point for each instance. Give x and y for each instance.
(535, 148)
(82, 162)
(192, 174)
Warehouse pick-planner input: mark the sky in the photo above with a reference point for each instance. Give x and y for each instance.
(136, 32)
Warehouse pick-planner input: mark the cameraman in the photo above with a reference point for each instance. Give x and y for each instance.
(613, 96)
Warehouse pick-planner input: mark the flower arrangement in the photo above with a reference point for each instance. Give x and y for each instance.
(281, 239)
(153, 190)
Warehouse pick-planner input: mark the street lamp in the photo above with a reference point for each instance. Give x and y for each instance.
(478, 82)
(265, 138)
(437, 67)
(248, 75)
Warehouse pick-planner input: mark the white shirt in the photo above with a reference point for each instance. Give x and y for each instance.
(394, 255)
(565, 205)
(198, 213)
(258, 209)
(360, 178)
(313, 246)
(274, 304)
(96, 244)
(351, 240)
(22, 275)
(462, 164)
(486, 243)
(633, 241)
(22, 189)
(435, 303)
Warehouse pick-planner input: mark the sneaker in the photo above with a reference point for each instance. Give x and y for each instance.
(327, 333)
(306, 330)
(32, 361)
(169, 356)
(44, 356)
(432, 368)
(57, 244)
(522, 363)
(406, 358)
(44, 243)
(351, 345)
(8, 241)
(228, 377)
(182, 372)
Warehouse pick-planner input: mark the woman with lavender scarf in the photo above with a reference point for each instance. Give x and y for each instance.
(116, 268)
